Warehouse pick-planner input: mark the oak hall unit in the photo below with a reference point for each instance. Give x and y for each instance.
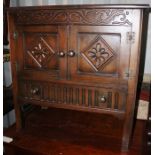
(79, 57)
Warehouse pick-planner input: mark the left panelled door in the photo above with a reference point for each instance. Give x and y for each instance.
(41, 52)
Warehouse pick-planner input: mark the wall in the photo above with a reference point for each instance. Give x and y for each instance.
(55, 2)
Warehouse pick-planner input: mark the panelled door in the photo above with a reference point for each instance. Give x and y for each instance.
(99, 54)
(41, 52)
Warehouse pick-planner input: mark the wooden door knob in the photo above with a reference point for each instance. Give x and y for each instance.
(103, 99)
(71, 53)
(35, 91)
(61, 54)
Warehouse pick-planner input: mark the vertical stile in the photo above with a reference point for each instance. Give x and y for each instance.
(65, 94)
(45, 91)
(109, 100)
(52, 93)
(80, 96)
(61, 94)
(83, 96)
(22, 89)
(96, 98)
(120, 101)
(77, 96)
(89, 97)
(43, 94)
(71, 95)
(48, 93)
(29, 88)
(86, 97)
(64, 98)
(113, 100)
(53, 89)
(93, 98)
(58, 94)
(25, 90)
(41, 89)
(116, 100)
(124, 97)
(74, 95)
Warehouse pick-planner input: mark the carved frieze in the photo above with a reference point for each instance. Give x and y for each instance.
(68, 16)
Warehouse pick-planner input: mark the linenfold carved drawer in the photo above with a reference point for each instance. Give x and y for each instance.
(84, 58)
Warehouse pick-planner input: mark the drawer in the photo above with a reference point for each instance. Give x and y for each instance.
(74, 95)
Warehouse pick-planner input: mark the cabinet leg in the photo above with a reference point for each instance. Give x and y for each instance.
(18, 117)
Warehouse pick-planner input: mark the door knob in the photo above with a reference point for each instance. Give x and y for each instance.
(61, 54)
(71, 53)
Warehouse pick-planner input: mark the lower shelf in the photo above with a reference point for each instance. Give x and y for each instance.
(41, 140)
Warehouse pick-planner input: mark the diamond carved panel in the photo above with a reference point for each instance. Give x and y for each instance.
(41, 52)
(98, 53)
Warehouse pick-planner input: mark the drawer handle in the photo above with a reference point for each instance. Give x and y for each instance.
(71, 53)
(103, 99)
(61, 54)
(35, 91)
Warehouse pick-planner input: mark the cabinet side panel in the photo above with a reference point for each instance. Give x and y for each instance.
(137, 20)
(14, 64)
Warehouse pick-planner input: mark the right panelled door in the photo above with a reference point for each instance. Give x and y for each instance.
(99, 54)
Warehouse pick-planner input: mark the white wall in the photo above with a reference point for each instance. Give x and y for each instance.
(55, 2)
(9, 119)
(148, 49)
(7, 78)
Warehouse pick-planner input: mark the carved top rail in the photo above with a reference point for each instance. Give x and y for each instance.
(81, 15)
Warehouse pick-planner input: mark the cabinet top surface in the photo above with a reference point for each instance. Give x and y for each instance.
(84, 6)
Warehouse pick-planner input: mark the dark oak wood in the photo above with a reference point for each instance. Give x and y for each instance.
(82, 58)
(66, 133)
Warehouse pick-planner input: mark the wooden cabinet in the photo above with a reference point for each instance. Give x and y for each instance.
(83, 58)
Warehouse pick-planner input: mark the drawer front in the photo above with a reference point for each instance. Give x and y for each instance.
(74, 95)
